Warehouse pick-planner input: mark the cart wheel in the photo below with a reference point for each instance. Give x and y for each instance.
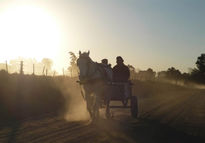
(125, 102)
(134, 106)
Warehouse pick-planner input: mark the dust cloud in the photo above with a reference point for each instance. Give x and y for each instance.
(195, 85)
(75, 108)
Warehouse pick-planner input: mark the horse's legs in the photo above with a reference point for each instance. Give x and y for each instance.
(96, 106)
(107, 101)
(89, 104)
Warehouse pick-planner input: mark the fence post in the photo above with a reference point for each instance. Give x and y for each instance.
(7, 67)
(33, 69)
(43, 70)
(21, 68)
(46, 72)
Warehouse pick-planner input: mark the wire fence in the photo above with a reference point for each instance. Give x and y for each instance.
(21, 67)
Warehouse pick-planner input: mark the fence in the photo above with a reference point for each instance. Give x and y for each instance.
(22, 67)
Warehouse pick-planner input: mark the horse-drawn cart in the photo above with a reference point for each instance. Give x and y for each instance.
(98, 90)
(122, 91)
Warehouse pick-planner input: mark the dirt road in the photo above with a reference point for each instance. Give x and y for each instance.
(166, 115)
(120, 129)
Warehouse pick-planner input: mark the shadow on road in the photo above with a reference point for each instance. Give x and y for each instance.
(13, 134)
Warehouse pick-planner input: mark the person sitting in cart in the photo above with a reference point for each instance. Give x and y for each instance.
(108, 69)
(104, 62)
(121, 74)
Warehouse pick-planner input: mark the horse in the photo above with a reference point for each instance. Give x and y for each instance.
(93, 79)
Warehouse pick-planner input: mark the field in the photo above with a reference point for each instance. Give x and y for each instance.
(46, 109)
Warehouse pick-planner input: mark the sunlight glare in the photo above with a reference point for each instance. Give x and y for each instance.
(28, 31)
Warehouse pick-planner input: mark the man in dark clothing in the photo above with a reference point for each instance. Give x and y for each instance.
(121, 72)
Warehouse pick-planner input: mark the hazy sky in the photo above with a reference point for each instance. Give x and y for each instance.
(146, 33)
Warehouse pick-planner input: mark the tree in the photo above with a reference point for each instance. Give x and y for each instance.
(132, 72)
(200, 63)
(149, 74)
(73, 69)
(198, 74)
(185, 77)
(47, 64)
(161, 74)
(173, 73)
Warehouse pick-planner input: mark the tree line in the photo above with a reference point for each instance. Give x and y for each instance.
(196, 74)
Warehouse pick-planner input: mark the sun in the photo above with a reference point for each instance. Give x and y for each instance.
(28, 31)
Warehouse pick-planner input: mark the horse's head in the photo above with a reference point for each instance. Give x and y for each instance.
(83, 64)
